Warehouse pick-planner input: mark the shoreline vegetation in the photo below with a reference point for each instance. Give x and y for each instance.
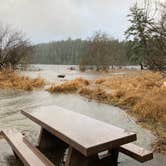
(142, 94)
(10, 79)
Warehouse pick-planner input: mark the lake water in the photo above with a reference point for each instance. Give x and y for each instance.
(50, 72)
(11, 102)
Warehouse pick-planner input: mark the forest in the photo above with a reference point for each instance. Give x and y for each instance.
(59, 52)
(72, 52)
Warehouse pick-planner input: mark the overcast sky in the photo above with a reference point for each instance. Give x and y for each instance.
(47, 20)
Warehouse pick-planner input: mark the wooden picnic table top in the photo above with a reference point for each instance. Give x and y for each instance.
(87, 135)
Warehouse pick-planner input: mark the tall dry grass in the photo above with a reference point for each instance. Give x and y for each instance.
(70, 86)
(142, 93)
(11, 79)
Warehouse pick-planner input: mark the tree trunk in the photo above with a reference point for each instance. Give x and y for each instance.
(142, 67)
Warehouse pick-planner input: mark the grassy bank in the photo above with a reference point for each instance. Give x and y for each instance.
(142, 94)
(12, 80)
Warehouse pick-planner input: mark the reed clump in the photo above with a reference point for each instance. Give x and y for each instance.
(69, 86)
(143, 94)
(12, 80)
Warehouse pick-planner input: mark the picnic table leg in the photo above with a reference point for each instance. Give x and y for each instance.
(15, 155)
(48, 141)
(114, 156)
(75, 158)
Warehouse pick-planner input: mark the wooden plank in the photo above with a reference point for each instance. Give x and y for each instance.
(75, 158)
(136, 152)
(48, 142)
(37, 153)
(28, 154)
(87, 135)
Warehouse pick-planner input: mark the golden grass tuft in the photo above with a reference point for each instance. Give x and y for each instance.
(151, 109)
(142, 92)
(94, 93)
(12, 80)
(69, 86)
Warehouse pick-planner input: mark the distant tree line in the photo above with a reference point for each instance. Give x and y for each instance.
(76, 52)
(59, 52)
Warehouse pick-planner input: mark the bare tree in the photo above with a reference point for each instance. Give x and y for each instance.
(99, 51)
(14, 47)
(102, 51)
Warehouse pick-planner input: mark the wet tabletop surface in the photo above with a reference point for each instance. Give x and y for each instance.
(79, 130)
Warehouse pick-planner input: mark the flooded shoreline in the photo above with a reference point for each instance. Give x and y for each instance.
(12, 101)
(103, 112)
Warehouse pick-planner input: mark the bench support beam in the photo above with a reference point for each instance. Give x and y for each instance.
(75, 158)
(48, 142)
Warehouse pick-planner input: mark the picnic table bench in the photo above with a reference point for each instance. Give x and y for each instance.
(84, 137)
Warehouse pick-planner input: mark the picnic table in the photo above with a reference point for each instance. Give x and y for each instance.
(84, 137)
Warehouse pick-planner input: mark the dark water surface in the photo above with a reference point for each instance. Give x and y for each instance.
(11, 102)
